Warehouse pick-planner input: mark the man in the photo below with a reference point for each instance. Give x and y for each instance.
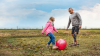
(76, 20)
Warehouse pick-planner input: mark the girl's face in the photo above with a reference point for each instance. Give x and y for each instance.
(53, 20)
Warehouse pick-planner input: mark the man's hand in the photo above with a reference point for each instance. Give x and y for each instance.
(67, 29)
(79, 27)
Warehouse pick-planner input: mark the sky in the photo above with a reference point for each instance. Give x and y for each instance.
(35, 13)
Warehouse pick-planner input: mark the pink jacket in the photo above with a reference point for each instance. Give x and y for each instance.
(49, 28)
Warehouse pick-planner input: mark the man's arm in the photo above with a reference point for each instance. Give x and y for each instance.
(69, 23)
(80, 20)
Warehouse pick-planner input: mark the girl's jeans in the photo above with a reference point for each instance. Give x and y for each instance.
(52, 38)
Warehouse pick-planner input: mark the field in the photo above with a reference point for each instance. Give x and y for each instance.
(32, 43)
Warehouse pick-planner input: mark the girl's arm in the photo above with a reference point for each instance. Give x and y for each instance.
(45, 28)
(55, 29)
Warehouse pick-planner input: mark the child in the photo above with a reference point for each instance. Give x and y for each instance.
(49, 30)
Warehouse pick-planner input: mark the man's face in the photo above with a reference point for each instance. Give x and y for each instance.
(71, 11)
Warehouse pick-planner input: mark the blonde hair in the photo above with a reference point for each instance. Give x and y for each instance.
(52, 18)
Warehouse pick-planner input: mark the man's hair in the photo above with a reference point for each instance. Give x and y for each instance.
(69, 8)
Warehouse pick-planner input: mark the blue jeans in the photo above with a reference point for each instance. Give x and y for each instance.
(52, 38)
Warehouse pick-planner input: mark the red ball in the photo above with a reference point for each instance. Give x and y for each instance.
(61, 43)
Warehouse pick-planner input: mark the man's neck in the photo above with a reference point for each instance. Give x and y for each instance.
(73, 12)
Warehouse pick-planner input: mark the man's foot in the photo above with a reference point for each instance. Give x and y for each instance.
(73, 44)
(77, 44)
(55, 47)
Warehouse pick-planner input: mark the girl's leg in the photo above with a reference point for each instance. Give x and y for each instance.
(49, 42)
(50, 39)
(53, 40)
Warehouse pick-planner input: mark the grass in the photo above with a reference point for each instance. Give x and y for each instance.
(32, 43)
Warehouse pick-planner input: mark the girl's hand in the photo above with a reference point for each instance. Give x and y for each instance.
(42, 34)
(57, 32)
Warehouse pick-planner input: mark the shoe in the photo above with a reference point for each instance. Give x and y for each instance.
(47, 45)
(73, 44)
(55, 47)
(77, 44)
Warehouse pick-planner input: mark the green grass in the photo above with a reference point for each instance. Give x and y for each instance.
(32, 43)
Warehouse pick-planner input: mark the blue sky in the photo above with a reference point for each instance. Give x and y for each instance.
(35, 13)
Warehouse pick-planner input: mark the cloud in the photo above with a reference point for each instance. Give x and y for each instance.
(61, 17)
(90, 16)
(12, 12)
(6, 16)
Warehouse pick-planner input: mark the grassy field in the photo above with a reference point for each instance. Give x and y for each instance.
(32, 43)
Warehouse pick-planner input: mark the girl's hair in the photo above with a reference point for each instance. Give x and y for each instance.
(52, 18)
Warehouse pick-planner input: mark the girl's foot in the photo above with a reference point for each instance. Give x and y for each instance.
(55, 47)
(47, 45)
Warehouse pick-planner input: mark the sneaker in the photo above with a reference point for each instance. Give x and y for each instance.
(55, 47)
(73, 44)
(77, 44)
(47, 45)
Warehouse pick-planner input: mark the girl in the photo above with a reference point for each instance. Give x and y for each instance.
(49, 30)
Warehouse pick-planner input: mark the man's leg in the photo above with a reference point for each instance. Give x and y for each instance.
(75, 34)
(73, 30)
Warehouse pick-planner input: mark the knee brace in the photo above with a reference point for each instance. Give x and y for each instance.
(75, 36)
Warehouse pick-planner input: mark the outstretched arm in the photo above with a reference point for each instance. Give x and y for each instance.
(55, 29)
(45, 28)
(69, 23)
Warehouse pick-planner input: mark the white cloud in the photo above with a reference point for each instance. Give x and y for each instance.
(7, 20)
(5, 16)
(9, 14)
(90, 17)
(61, 17)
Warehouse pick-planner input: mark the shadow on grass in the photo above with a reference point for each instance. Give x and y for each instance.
(22, 36)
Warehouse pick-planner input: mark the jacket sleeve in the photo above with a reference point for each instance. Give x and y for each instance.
(54, 29)
(69, 22)
(79, 18)
(45, 28)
